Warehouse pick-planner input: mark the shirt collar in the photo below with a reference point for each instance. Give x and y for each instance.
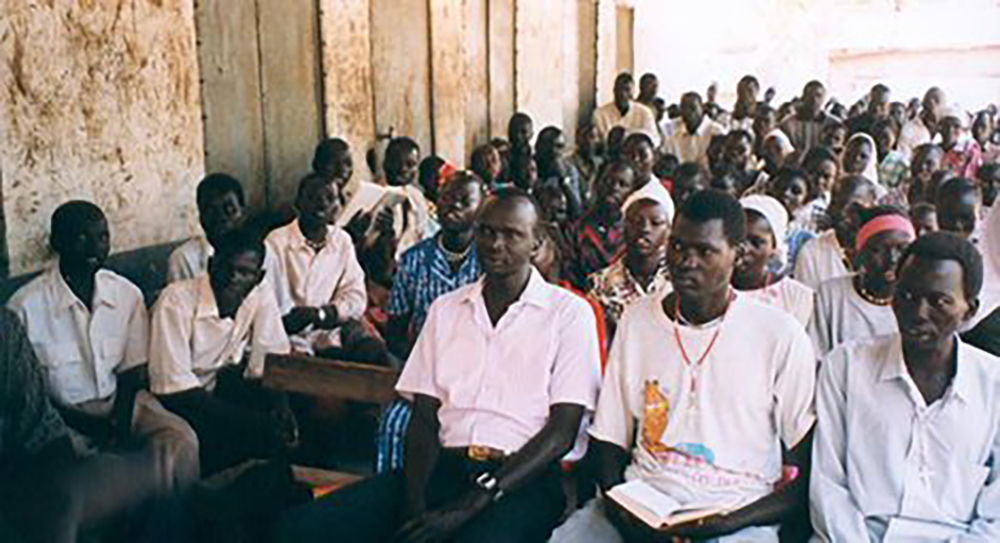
(538, 292)
(207, 306)
(299, 239)
(104, 293)
(894, 367)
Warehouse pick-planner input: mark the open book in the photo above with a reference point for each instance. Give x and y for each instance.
(371, 198)
(659, 510)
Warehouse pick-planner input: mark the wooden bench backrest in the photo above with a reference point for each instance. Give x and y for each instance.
(327, 378)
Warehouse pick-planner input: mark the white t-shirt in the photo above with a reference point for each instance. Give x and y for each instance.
(754, 391)
(789, 295)
(820, 259)
(842, 315)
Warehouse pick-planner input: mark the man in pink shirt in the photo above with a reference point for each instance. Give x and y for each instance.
(500, 378)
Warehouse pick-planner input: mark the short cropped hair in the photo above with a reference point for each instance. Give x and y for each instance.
(239, 241)
(311, 178)
(638, 137)
(68, 218)
(326, 151)
(400, 145)
(949, 246)
(818, 155)
(708, 205)
(218, 184)
(511, 193)
(955, 188)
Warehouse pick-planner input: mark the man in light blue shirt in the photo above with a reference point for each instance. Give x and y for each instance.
(908, 434)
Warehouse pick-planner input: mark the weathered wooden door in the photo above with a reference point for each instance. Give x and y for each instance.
(261, 92)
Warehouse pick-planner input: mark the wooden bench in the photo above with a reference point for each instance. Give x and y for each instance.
(325, 378)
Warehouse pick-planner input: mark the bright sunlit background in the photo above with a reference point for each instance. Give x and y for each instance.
(848, 44)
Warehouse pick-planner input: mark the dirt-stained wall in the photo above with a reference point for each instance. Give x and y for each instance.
(98, 100)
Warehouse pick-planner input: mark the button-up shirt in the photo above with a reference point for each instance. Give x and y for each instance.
(688, 147)
(497, 383)
(615, 288)
(424, 274)
(191, 342)
(889, 467)
(302, 276)
(81, 350)
(638, 118)
(190, 259)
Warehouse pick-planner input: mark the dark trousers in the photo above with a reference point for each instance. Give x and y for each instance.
(371, 511)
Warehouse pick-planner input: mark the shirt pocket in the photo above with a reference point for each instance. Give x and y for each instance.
(963, 483)
(69, 379)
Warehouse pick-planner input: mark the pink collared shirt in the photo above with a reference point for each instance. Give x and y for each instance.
(496, 384)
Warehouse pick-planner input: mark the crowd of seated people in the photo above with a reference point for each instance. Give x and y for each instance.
(785, 316)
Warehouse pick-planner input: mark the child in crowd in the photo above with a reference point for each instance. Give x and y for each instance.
(791, 188)
(764, 250)
(599, 234)
(925, 161)
(688, 179)
(486, 162)
(959, 207)
(822, 168)
(892, 163)
(962, 157)
(924, 218)
(834, 135)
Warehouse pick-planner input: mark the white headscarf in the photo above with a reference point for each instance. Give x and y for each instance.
(655, 191)
(775, 214)
(871, 170)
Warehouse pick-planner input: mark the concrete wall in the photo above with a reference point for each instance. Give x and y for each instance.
(98, 100)
(105, 99)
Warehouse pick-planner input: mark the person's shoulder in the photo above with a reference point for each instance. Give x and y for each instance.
(280, 235)
(797, 289)
(33, 292)
(122, 285)
(835, 285)
(419, 251)
(985, 364)
(646, 309)
(180, 293)
(752, 313)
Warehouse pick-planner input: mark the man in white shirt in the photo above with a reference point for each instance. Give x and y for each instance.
(829, 255)
(90, 331)
(500, 377)
(688, 136)
(702, 389)
(625, 112)
(201, 330)
(311, 265)
(923, 128)
(908, 439)
(221, 206)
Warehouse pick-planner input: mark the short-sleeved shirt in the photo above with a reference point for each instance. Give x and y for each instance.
(885, 463)
(842, 315)
(788, 295)
(709, 434)
(302, 276)
(423, 275)
(964, 159)
(497, 383)
(190, 259)
(639, 118)
(81, 350)
(615, 288)
(190, 342)
(28, 422)
(820, 259)
(688, 147)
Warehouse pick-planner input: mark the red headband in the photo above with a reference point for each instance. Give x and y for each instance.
(883, 224)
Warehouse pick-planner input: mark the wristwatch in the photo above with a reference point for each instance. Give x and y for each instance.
(488, 483)
(321, 315)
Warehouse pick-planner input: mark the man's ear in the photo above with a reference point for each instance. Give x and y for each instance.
(973, 308)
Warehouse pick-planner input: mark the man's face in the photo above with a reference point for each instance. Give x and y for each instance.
(88, 247)
(521, 133)
(700, 257)
(648, 87)
(951, 130)
(959, 215)
(235, 275)
(880, 256)
(930, 303)
(764, 123)
(686, 185)
(319, 202)
(647, 228)
(847, 203)
(925, 222)
(885, 138)
(623, 91)
(692, 111)
(506, 239)
(746, 92)
(835, 139)
(458, 204)
(826, 175)
(737, 151)
(220, 214)
(897, 110)
(932, 104)
(812, 98)
(591, 141)
(879, 104)
(401, 167)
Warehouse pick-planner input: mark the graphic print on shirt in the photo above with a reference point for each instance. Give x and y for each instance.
(655, 417)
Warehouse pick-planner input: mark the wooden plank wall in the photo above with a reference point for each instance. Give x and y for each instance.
(449, 89)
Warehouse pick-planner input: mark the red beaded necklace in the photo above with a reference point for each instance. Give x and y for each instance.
(696, 366)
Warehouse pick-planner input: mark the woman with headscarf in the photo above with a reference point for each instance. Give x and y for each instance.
(764, 249)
